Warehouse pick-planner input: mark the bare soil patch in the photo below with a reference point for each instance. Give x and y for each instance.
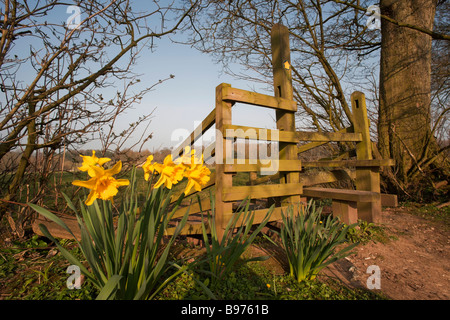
(415, 265)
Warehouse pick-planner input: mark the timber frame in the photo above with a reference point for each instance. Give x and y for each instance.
(292, 188)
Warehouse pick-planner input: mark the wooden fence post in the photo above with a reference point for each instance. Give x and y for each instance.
(223, 210)
(282, 83)
(367, 178)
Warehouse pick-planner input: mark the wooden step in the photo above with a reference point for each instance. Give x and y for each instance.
(341, 194)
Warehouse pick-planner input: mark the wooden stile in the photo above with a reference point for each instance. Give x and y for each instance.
(286, 185)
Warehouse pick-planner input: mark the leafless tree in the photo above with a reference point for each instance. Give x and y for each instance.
(66, 78)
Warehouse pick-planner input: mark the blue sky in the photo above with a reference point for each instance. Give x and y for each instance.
(181, 103)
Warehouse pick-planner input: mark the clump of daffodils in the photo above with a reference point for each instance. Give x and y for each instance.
(104, 186)
(171, 172)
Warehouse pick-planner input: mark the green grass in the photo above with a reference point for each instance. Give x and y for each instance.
(253, 281)
(366, 232)
(34, 270)
(28, 271)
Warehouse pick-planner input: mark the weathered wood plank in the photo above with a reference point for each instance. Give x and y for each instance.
(346, 211)
(260, 214)
(265, 179)
(207, 123)
(274, 165)
(195, 227)
(389, 200)
(55, 230)
(191, 228)
(282, 87)
(327, 177)
(341, 194)
(253, 133)
(194, 208)
(223, 180)
(348, 163)
(258, 99)
(328, 136)
(264, 191)
(312, 145)
(366, 178)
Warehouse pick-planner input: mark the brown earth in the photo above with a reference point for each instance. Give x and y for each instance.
(414, 264)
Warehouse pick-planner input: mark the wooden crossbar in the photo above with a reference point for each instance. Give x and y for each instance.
(253, 133)
(207, 123)
(260, 214)
(276, 165)
(194, 208)
(315, 144)
(348, 163)
(261, 191)
(329, 136)
(258, 99)
(341, 194)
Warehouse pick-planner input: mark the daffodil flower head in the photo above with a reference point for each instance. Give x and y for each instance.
(150, 167)
(102, 183)
(188, 158)
(170, 173)
(92, 161)
(198, 176)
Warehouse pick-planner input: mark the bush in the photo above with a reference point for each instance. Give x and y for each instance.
(310, 243)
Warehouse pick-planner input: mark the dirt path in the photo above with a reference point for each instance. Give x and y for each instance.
(414, 266)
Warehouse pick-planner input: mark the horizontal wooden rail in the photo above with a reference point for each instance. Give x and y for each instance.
(193, 208)
(191, 228)
(276, 165)
(328, 136)
(349, 163)
(207, 123)
(253, 133)
(264, 191)
(321, 177)
(260, 214)
(258, 99)
(195, 227)
(314, 144)
(342, 194)
(266, 179)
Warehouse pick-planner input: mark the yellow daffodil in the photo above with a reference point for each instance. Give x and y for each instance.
(149, 167)
(170, 173)
(102, 183)
(198, 176)
(92, 161)
(187, 158)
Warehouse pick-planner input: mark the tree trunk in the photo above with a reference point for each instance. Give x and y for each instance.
(405, 84)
